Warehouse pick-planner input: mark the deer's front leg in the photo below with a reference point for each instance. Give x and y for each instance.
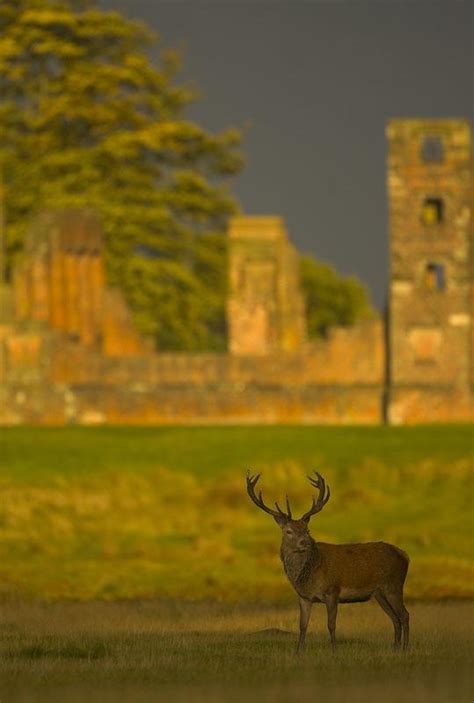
(305, 612)
(332, 600)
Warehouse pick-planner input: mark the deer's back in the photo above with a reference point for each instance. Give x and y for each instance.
(356, 571)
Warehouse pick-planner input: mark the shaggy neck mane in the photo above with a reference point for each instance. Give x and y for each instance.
(299, 565)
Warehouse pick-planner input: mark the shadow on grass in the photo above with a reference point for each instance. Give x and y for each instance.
(60, 651)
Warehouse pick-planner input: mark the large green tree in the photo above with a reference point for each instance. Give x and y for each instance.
(331, 299)
(87, 120)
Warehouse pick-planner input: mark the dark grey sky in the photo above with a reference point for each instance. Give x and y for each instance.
(317, 80)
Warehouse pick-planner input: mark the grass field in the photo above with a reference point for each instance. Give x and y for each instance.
(162, 512)
(149, 651)
(39, 454)
(152, 522)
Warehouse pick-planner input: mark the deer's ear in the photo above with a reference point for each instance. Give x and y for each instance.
(280, 520)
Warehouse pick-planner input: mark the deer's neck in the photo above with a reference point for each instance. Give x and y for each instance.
(299, 565)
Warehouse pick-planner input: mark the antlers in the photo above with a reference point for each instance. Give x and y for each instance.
(278, 514)
(323, 496)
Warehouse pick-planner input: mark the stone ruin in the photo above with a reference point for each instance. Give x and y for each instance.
(266, 312)
(70, 353)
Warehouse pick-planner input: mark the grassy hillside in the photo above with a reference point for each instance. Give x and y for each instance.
(139, 512)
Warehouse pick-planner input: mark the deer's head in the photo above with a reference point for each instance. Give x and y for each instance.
(295, 533)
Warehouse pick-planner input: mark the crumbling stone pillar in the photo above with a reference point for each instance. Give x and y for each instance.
(39, 288)
(57, 314)
(97, 286)
(265, 305)
(60, 280)
(71, 293)
(22, 292)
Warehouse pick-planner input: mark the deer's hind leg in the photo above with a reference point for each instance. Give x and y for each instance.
(393, 615)
(395, 599)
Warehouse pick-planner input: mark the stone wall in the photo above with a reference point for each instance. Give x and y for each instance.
(70, 353)
(348, 356)
(50, 380)
(207, 404)
(412, 405)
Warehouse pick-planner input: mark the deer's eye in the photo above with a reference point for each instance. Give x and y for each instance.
(289, 532)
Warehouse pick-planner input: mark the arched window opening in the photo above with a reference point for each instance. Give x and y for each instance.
(433, 211)
(435, 278)
(432, 150)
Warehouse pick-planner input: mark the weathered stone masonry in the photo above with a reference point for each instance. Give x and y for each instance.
(430, 342)
(69, 352)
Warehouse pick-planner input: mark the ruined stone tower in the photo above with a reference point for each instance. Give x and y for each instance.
(430, 310)
(59, 280)
(265, 306)
(61, 301)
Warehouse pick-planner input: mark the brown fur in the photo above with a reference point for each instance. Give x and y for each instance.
(339, 573)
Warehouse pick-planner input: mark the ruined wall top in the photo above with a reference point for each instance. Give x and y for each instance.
(437, 143)
(74, 231)
(59, 285)
(265, 306)
(253, 228)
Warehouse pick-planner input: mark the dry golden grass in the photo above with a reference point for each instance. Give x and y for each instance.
(135, 513)
(141, 651)
(120, 534)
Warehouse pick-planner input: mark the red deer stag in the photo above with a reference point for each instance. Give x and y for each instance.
(337, 573)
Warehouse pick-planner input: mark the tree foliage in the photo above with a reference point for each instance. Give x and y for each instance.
(87, 120)
(331, 299)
